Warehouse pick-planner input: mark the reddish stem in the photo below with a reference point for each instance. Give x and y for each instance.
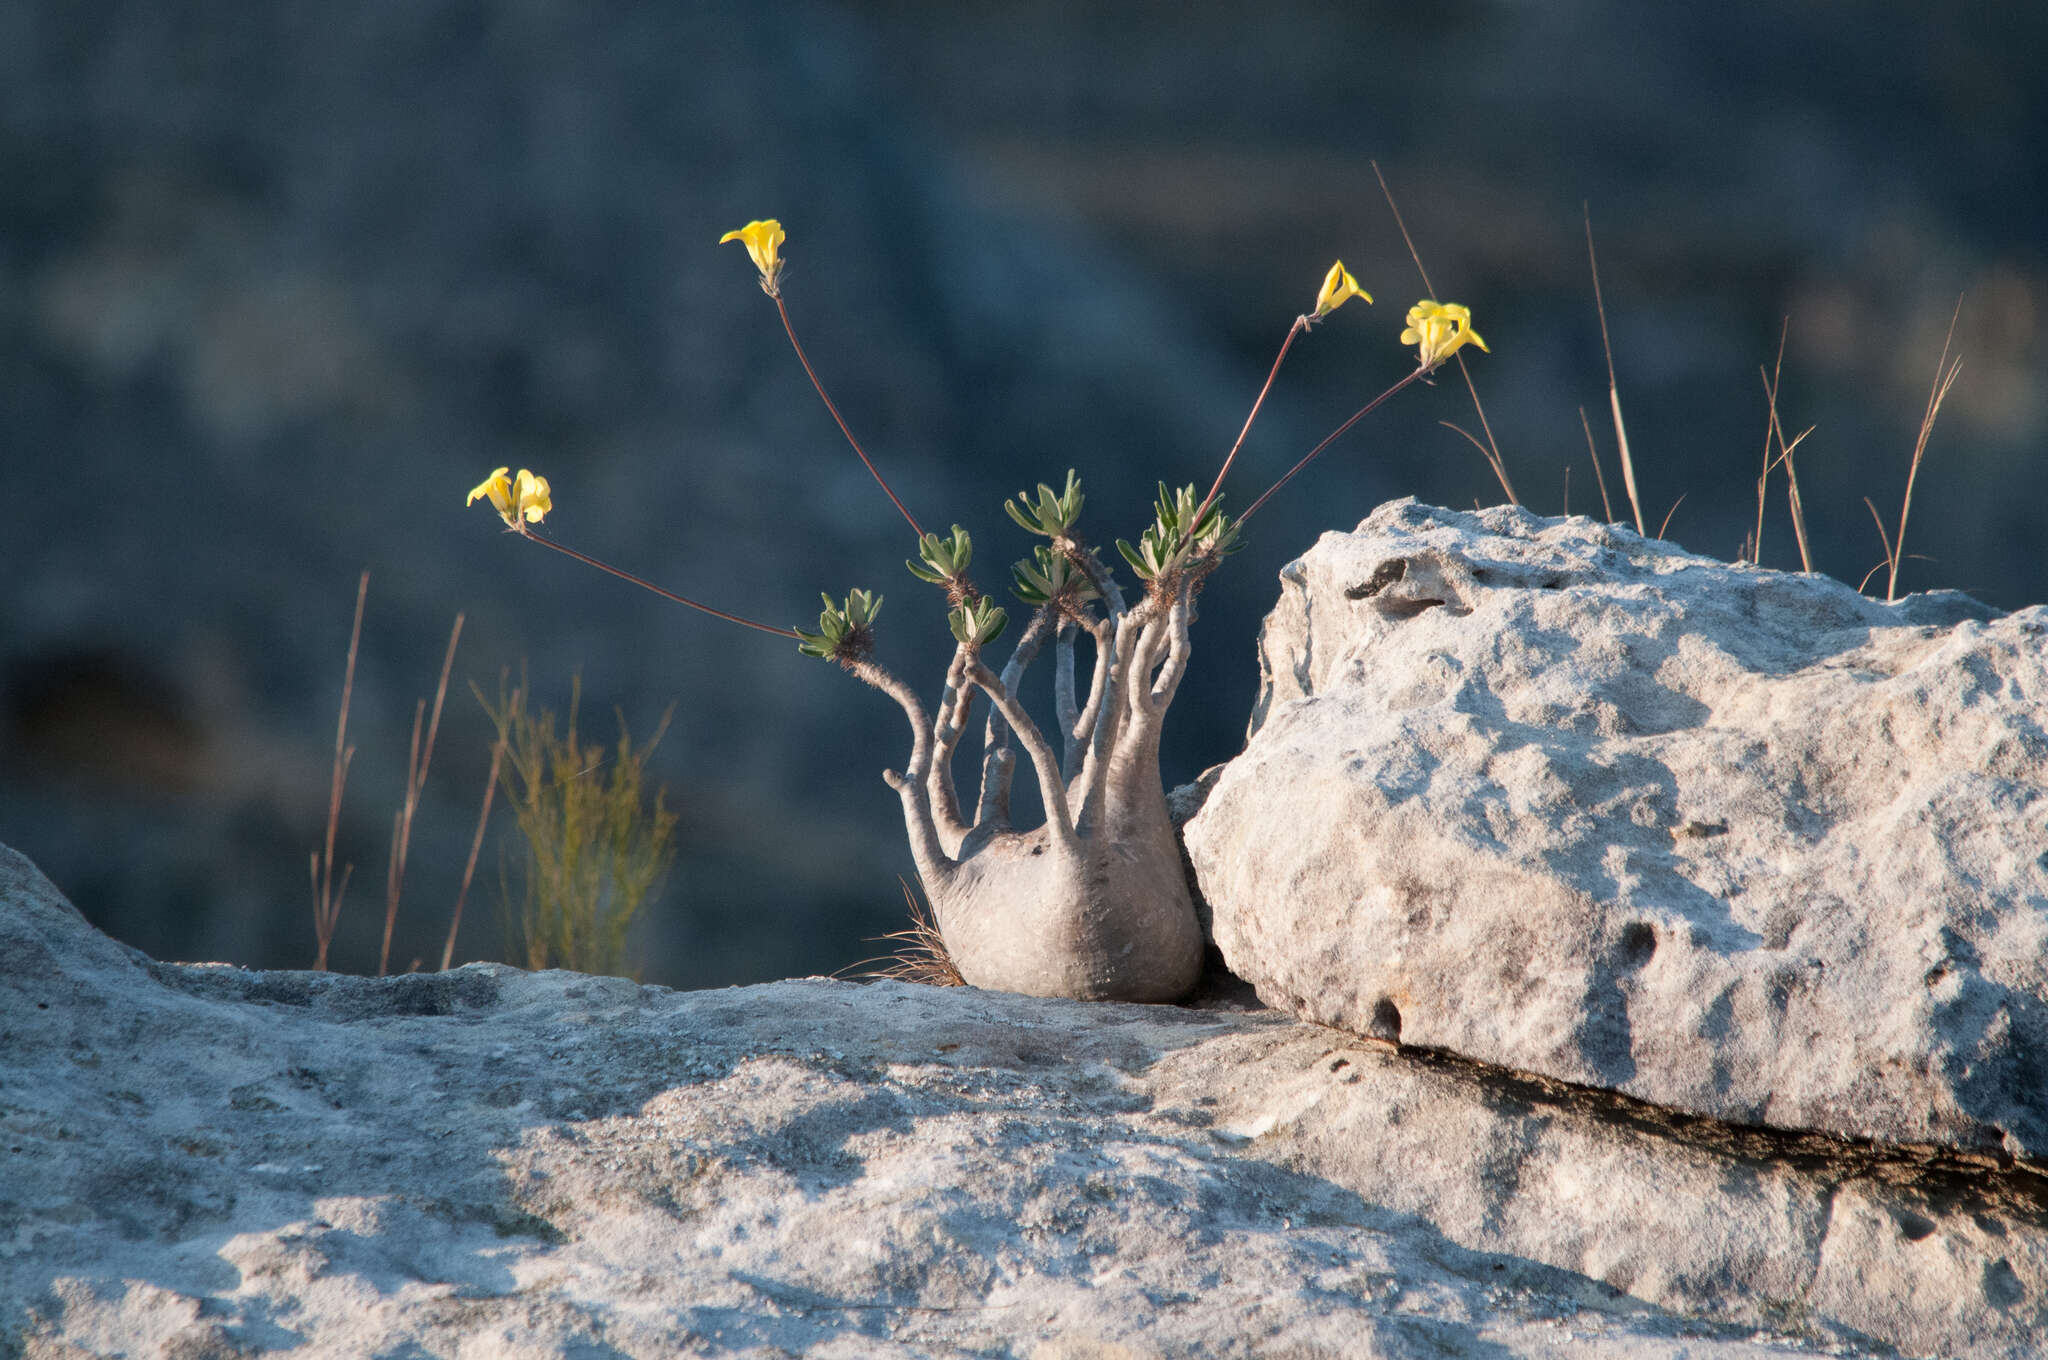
(1361, 414)
(588, 560)
(1300, 325)
(823, 396)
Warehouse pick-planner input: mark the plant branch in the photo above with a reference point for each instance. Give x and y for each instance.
(1168, 680)
(1081, 735)
(1066, 707)
(1058, 820)
(998, 761)
(948, 724)
(934, 865)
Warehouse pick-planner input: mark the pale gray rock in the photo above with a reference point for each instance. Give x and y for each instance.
(203, 1161)
(1737, 842)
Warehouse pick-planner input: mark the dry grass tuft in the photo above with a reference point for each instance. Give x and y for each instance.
(1945, 371)
(920, 950)
(596, 847)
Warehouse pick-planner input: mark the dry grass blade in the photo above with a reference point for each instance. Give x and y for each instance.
(1884, 537)
(1628, 467)
(1668, 514)
(1606, 506)
(1944, 378)
(417, 761)
(1763, 479)
(326, 896)
(1774, 430)
(1792, 500)
(1483, 453)
(476, 844)
(1491, 448)
(920, 950)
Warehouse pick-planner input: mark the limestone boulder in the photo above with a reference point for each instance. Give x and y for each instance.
(1741, 843)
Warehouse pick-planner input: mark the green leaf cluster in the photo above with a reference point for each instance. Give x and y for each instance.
(1050, 576)
(979, 623)
(1053, 514)
(1175, 536)
(843, 629)
(596, 849)
(945, 559)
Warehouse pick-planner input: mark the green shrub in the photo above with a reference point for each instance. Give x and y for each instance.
(596, 848)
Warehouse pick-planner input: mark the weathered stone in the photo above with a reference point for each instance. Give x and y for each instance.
(207, 1161)
(1736, 842)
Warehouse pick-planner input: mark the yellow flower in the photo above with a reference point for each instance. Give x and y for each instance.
(763, 241)
(1338, 288)
(526, 497)
(1440, 329)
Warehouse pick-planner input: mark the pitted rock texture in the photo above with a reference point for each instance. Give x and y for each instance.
(1745, 844)
(202, 1161)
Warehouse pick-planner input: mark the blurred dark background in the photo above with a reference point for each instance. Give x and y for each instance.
(279, 283)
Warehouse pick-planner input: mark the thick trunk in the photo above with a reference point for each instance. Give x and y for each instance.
(1094, 905)
(1111, 923)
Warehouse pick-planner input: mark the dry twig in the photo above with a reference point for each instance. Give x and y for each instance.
(1606, 506)
(1628, 467)
(326, 896)
(415, 781)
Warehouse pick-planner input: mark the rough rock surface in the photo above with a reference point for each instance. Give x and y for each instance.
(1740, 843)
(202, 1161)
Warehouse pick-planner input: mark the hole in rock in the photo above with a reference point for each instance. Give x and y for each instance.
(1388, 572)
(2002, 1287)
(1386, 1021)
(1912, 1226)
(1406, 609)
(1638, 942)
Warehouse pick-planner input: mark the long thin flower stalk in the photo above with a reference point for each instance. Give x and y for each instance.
(1359, 415)
(645, 584)
(1301, 324)
(825, 397)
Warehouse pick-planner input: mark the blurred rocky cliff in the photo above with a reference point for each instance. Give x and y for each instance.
(278, 286)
